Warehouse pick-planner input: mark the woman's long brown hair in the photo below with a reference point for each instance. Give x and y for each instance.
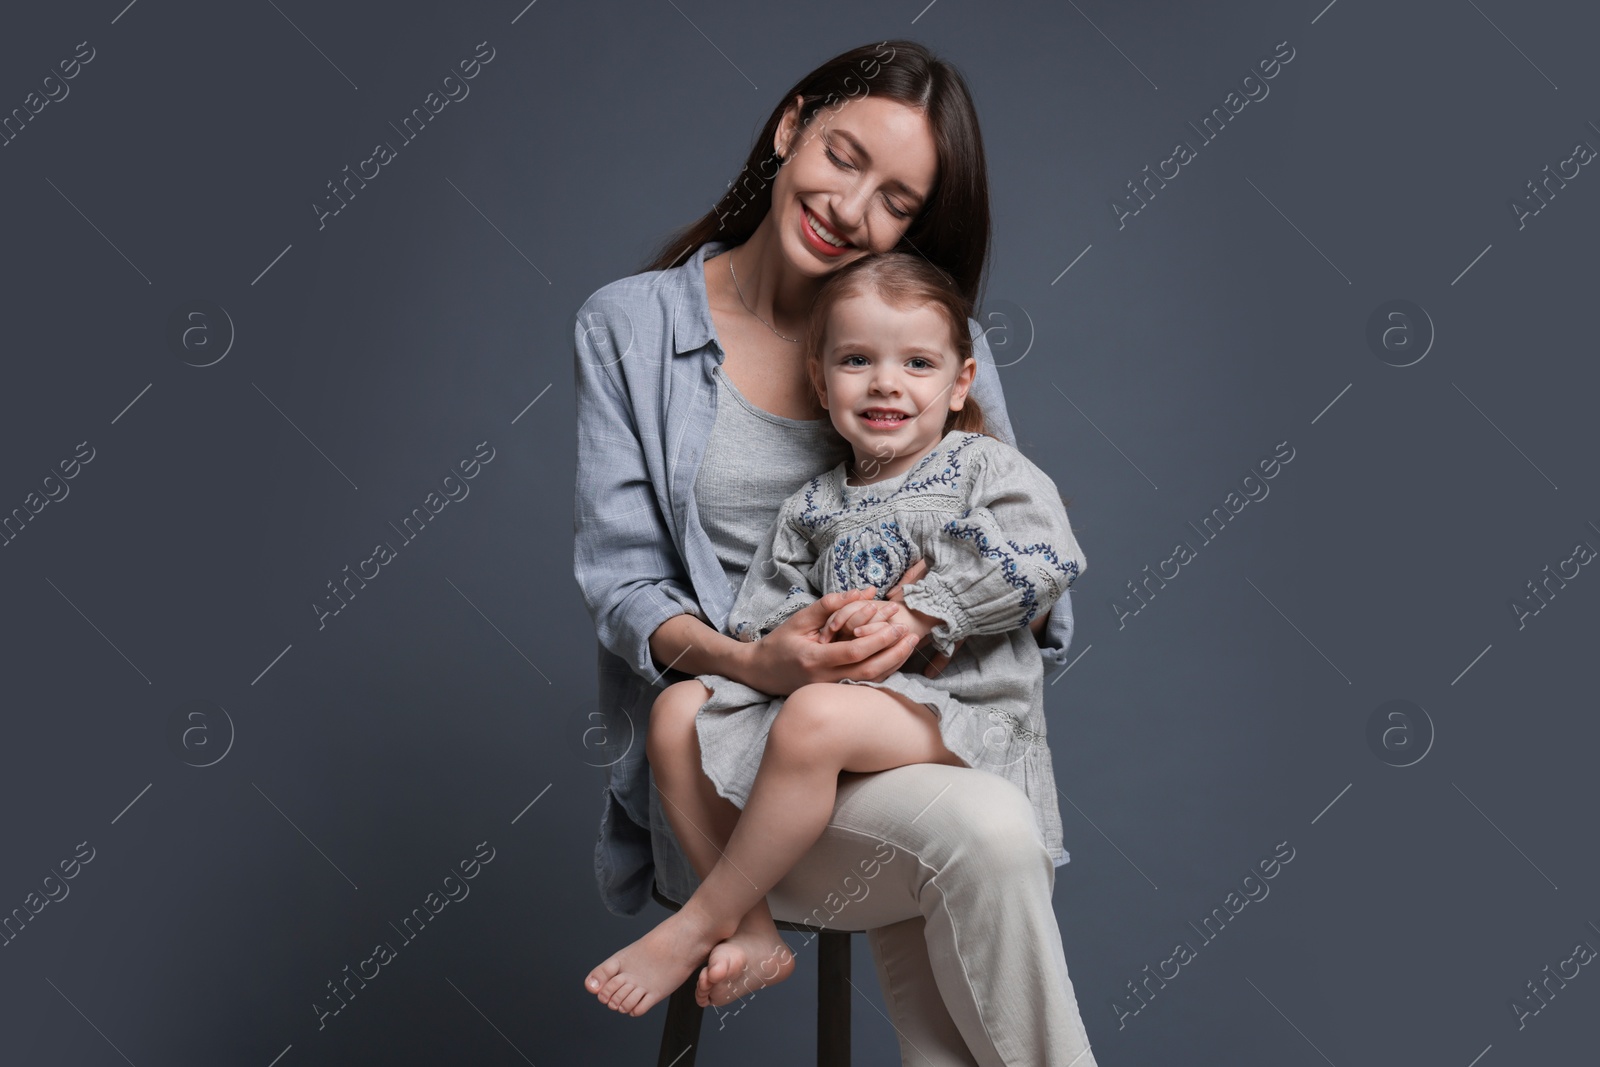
(952, 229)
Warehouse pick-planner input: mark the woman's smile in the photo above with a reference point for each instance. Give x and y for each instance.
(820, 237)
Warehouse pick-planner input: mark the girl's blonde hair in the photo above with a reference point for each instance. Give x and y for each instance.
(904, 281)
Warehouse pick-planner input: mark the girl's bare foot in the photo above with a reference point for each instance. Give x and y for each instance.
(754, 957)
(647, 971)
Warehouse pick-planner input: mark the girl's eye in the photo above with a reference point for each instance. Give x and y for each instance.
(921, 363)
(847, 361)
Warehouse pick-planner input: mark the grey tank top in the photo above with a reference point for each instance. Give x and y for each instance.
(753, 461)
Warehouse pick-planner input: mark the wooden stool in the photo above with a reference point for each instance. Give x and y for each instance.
(682, 1028)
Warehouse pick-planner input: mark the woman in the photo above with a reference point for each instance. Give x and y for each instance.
(695, 421)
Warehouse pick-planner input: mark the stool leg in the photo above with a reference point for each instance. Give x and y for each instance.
(682, 1030)
(833, 999)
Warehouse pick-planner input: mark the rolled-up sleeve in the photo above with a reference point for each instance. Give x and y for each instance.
(624, 556)
(1056, 636)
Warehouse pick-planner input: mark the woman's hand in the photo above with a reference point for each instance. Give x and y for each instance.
(798, 652)
(936, 660)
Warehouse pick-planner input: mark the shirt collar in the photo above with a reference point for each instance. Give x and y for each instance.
(691, 323)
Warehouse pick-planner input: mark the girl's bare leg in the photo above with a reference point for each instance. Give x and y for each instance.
(703, 820)
(822, 729)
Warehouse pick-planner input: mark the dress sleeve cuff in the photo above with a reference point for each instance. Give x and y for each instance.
(932, 596)
(750, 630)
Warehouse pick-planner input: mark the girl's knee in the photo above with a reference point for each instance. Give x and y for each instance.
(815, 693)
(672, 715)
(807, 718)
(681, 698)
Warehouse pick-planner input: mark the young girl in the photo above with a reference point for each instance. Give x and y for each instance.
(889, 352)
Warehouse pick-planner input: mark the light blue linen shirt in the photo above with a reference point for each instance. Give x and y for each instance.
(645, 351)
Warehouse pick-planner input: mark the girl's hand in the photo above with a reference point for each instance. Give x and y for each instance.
(798, 653)
(937, 661)
(848, 620)
(898, 614)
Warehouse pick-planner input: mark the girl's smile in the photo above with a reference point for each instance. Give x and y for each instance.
(890, 376)
(885, 418)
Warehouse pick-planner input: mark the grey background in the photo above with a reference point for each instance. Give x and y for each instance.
(1227, 716)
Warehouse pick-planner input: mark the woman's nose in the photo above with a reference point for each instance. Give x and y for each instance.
(850, 207)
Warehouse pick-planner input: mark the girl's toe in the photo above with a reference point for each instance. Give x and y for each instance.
(596, 980)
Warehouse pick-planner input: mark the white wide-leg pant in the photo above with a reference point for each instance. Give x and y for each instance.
(946, 870)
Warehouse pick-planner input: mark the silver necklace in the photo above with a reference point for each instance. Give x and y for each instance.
(747, 307)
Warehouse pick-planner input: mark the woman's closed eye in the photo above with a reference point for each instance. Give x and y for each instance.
(894, 209)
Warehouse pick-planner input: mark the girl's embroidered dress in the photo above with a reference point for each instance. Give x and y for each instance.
(1000, 551)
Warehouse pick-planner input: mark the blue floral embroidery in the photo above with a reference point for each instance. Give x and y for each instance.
(805, 518)
(947, 476)
(1069, 568)
(876, 556)
(1009, 570)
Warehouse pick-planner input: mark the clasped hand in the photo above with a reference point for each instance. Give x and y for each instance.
(861, 618)
(844, 635)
